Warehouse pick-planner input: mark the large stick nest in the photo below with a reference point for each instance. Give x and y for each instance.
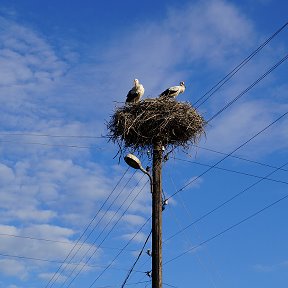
(138, 126)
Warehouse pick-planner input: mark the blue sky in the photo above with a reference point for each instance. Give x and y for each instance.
(64, 67)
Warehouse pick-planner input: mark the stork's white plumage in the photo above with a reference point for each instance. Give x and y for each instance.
(174, 91)
(135, 94)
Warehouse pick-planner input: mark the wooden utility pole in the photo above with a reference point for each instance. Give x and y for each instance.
(157, 217)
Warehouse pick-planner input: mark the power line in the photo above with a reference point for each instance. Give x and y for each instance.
(118, 220)
(227, 229)
(131, 239)
(107, 224)
(178, 222)
(86, 229)
(53, 136)
(51, 145)
(248, 88)
(236, 157)
(93, 146)
(169, 285)
(137, 259)
(225, 202)
(232, 171)
(54, 241)
(202, 264)
(59, 262)
(236, 149)
(237, 68)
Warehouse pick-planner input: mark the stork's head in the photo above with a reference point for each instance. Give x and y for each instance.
(136, 81)
(182, 84)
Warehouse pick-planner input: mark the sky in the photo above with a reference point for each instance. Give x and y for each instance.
(72, 213)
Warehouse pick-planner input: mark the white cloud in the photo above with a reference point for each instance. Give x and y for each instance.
(268, 268)
(263, 268)
(137, 237)
(58, 278)
(242, 122)
(193, 182)
(15, 268)
(133, 219)
(26, 58)
(46, 250)
(151, 52)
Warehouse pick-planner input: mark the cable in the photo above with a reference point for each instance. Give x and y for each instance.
(118, 220)
(228, 229)
(51, 145)
(178, 222)
(52, 136)
(232, 171)
(169, 285)
(139, 282)
(122, 251)
(225, 202)
(189, 242)
(137, 259)
(238, 67)
(59, 262)
(236, 157)
(108, 234)
(236, 149)
(85, 230)
(103, 230)
(55, 241)
(249, 88)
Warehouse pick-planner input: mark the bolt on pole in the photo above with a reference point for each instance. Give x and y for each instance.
(157, 217)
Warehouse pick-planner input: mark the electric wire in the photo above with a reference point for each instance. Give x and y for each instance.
(86, 229)
(234, 156)
(124, 248)
(189, 214)
(113, 227)
(93, 146)
(55, 241)
(230, 170)
(178, 222)
(202, 264)
(61, 262)
(236, 149)
(52, 145)
(169, 285)
(217, 86)
(110, 233)
(137, 259)
(248, 88)
(53, 136)
(225, 202)
(105, 227)
(95, 226)
(228, 229)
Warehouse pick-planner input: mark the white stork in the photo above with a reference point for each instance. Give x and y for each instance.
(135, 93)
(174, 91)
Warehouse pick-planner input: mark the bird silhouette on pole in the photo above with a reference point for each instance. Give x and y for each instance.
(135, 94)
(174, 91)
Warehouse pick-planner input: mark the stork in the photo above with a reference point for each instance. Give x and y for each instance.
(135, 93)
(174, 91)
